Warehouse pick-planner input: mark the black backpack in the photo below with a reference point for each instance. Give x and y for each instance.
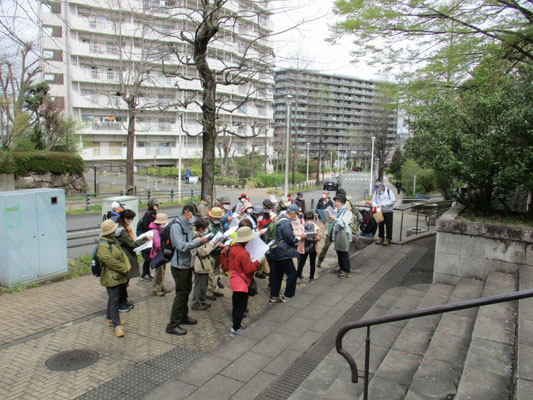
(95, 264)
(167, 248)
(368, 224)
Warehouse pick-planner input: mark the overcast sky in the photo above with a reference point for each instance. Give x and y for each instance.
(308, 41)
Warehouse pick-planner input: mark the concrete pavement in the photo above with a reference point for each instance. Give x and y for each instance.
(41, 322)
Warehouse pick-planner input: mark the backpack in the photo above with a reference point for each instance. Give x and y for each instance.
(167, 248)
(357, 218)
(139, 229)
(272, 232)
(368, 223)
(224, 258)
(95, 264)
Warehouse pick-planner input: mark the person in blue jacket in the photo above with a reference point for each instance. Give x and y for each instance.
(281, 255)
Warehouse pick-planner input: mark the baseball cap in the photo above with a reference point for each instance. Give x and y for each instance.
(117, 204)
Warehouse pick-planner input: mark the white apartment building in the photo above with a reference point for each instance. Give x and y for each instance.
(90, 47)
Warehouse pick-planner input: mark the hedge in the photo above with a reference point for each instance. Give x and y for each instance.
(271, 180)
(23, 163)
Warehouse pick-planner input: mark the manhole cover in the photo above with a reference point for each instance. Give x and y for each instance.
(72, 360)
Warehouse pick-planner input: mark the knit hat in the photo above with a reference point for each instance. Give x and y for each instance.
(108, 227)
(153, 202)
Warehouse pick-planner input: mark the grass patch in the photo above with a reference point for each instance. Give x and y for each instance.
(93, 208)
(520, 220)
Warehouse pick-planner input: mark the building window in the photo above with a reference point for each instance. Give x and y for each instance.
(96, 149)
(115, 148)
(94, 73)
(48, 54)
(110, 75)
(54, 6)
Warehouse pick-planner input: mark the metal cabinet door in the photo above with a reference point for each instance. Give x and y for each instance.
(20, 257)
(52, 228)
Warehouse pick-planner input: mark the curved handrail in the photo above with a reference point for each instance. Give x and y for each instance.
(482, 301)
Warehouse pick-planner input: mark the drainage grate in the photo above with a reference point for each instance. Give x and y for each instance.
(303, 366)
(72, 360)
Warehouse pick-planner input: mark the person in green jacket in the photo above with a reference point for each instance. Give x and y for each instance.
(114, 266)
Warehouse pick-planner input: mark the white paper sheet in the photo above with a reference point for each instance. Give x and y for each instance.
(146, 245)
(257, 248)
(235, 221)
(219, 236)
(231, 231)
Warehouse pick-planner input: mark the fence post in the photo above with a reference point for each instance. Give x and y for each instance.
(149, 194)
(312, 204)
(122, 192)
(192, 196)
(172, 194)
(88, 202)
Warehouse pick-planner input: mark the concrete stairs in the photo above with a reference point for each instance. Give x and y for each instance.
(481, 353)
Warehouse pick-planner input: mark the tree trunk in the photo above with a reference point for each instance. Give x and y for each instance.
(130, 144)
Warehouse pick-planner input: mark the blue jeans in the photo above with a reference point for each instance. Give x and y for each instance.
(277, 269)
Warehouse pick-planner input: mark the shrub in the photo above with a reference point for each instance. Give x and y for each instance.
(40, 162)
(271, 180)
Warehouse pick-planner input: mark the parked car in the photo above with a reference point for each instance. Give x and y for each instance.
(357, 169)
(332, 184)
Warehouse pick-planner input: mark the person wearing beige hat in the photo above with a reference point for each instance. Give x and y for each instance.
(241, 269)
(158, 286)
(282, 205)
(114, 272)
(214, 284)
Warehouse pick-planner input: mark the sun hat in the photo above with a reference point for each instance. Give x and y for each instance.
(268, 204)
(242, 195)
(244, 234)
(216, 212)
(192, 208)
(258, 210)
(153, 202)
(117, 204)
(294, 208)
(284, 202)
(161, 219)
(341, 198)
(247, 205)
(108, 226)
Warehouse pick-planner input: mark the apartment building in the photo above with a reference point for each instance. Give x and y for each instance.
(95, 52)
(332, 112)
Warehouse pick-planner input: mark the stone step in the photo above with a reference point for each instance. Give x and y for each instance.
(488, 368)
(397, 347)
(524, 365)
(340, 388)
(441, 367)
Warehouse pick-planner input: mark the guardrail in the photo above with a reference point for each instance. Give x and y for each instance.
(483, 301)
(170, 195)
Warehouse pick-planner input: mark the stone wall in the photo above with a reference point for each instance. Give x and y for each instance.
(72, 183)
(7, 182)
(473, 249)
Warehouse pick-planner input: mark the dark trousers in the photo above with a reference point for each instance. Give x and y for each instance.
(146, 263)
(114, 294)
(344, 260)
(277, 269)
(123, 296)
(386, 224)
(180, 309)
(324, 250)
(240, 303)
(302, 258)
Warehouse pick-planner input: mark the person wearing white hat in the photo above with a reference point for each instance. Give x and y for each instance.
(241, 269)
(114, 272)
(116, 208)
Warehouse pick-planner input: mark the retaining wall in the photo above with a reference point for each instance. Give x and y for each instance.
(473, 249)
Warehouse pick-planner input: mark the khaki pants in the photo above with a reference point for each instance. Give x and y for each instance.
(159, 278)
(213, 276)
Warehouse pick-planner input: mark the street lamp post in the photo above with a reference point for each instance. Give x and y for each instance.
(307, 173)
(371, 167)
(287, 134)
(179, 166)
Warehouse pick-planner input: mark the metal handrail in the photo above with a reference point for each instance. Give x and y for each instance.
(482, 301)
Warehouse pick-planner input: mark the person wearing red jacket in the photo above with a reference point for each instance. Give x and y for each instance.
(241, 269)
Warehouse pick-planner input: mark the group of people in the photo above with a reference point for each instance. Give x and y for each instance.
(204, 238)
